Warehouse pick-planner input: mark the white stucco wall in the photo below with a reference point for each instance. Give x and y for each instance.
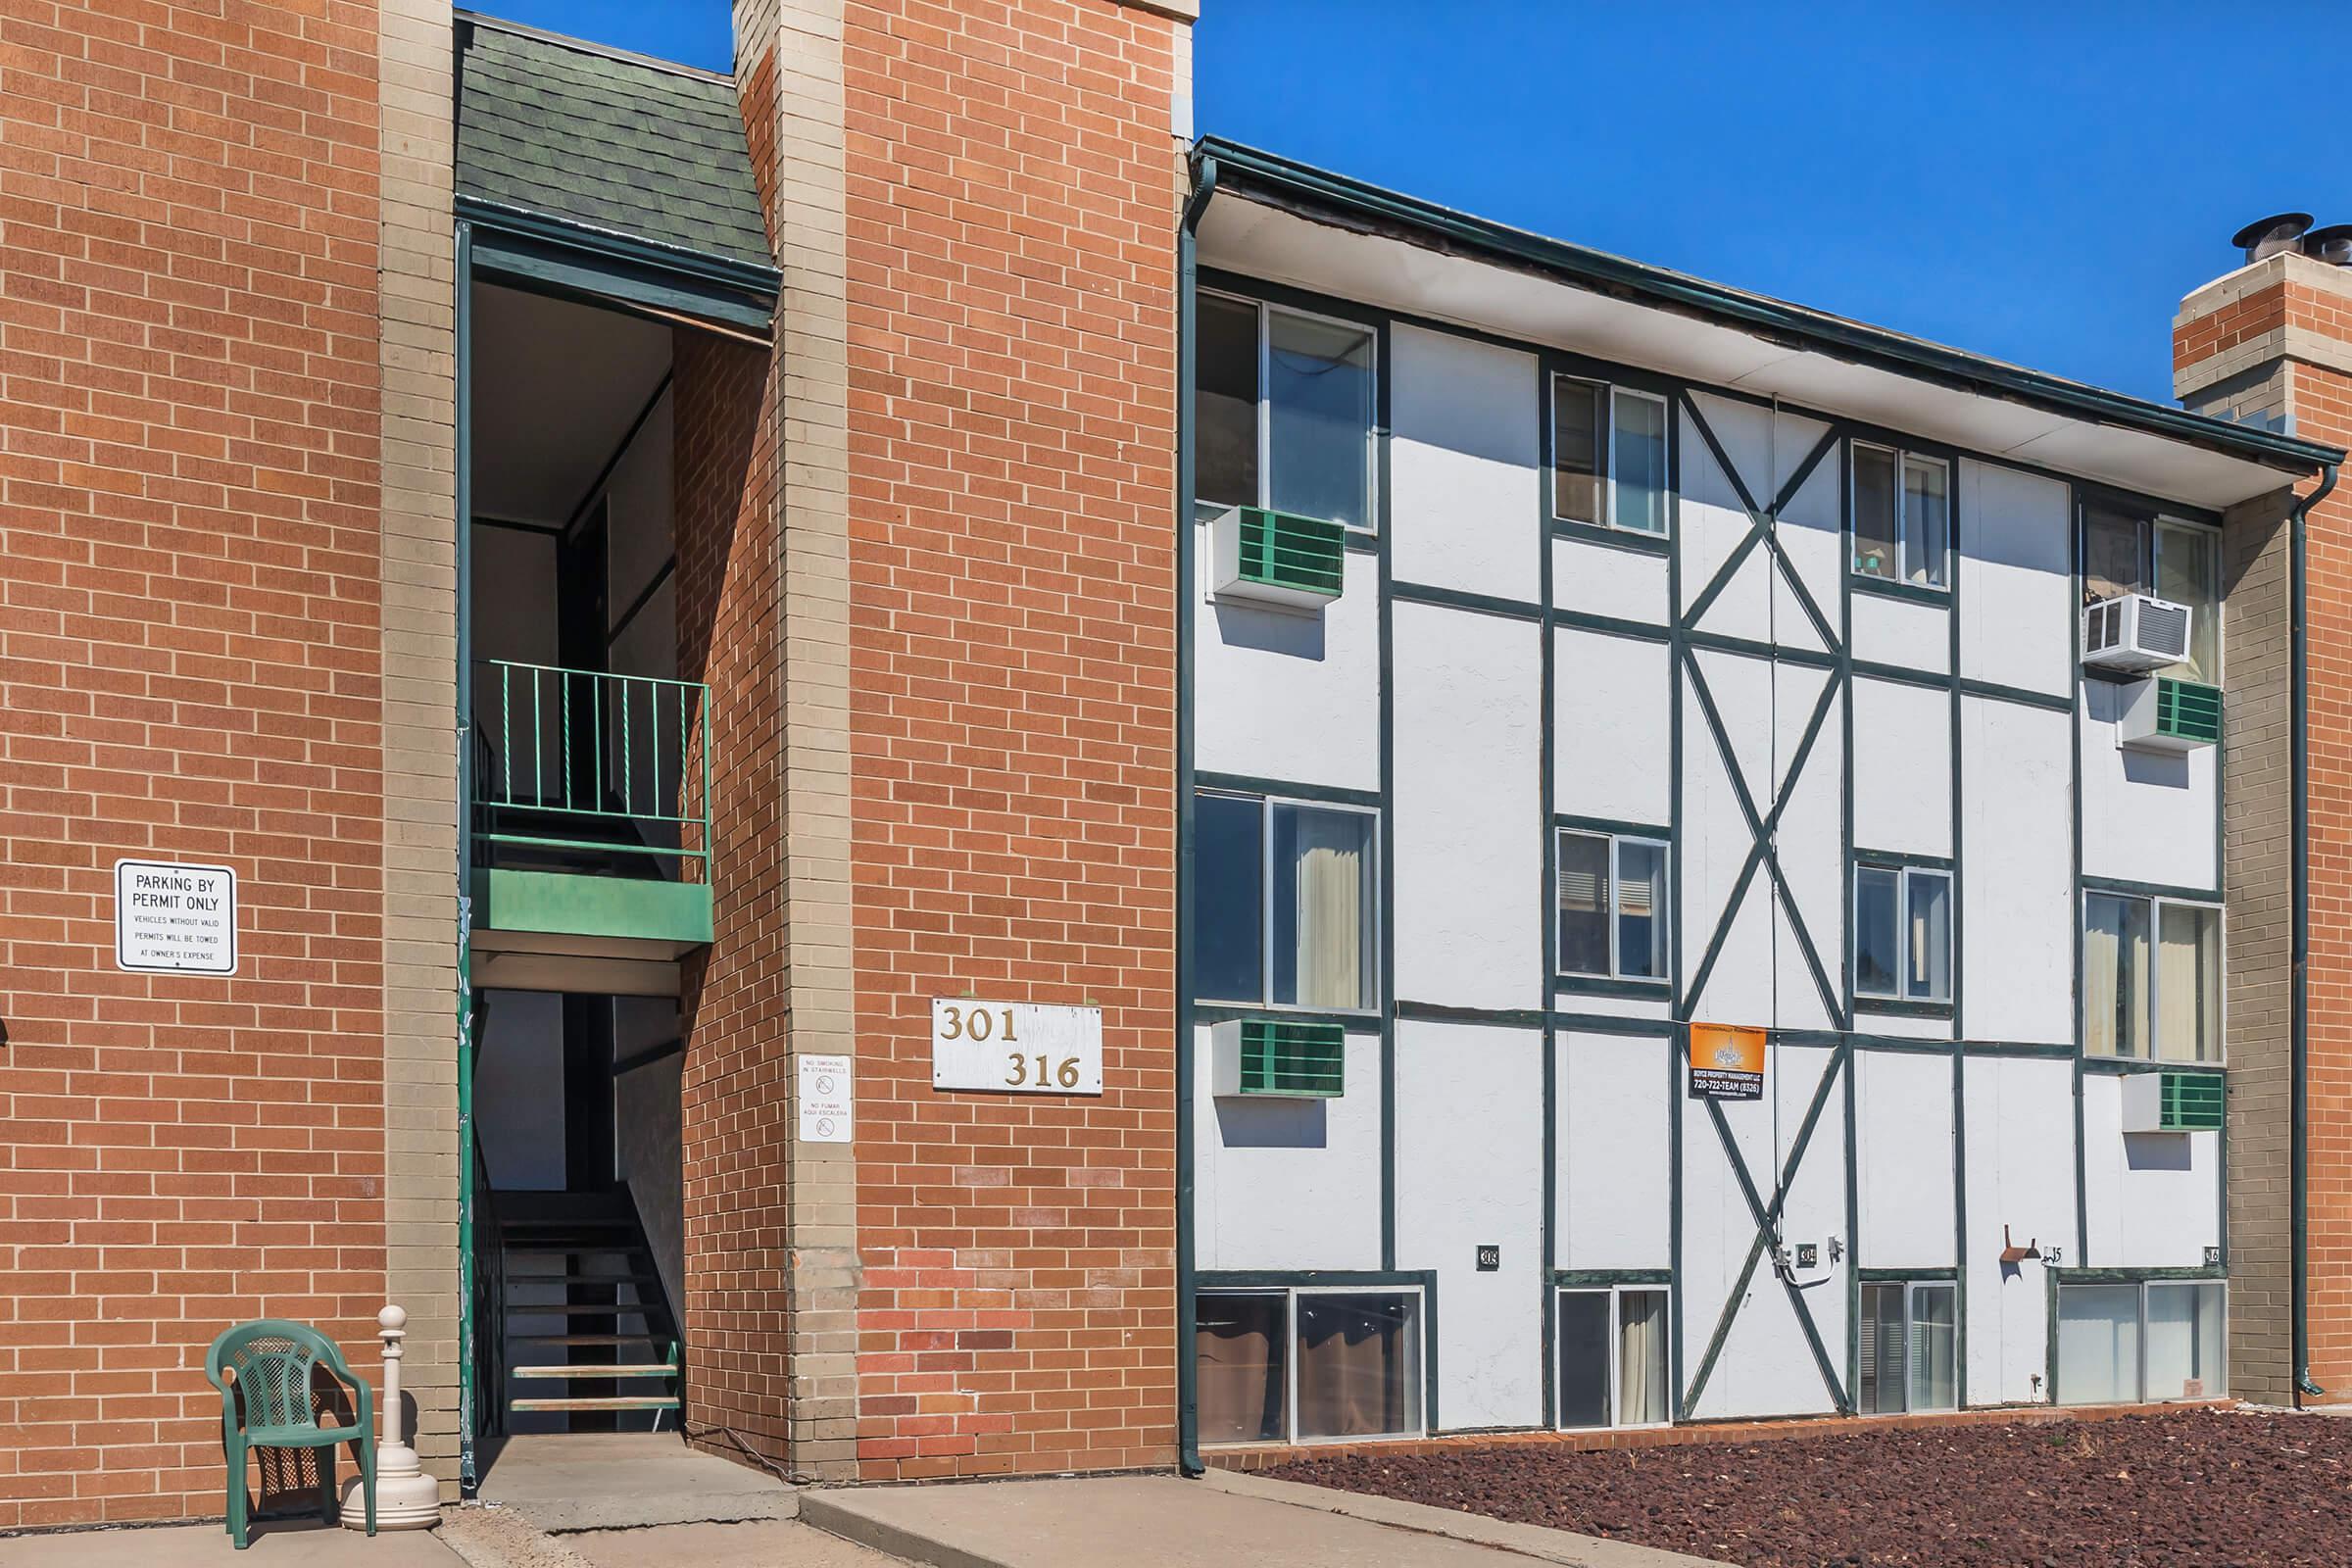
(1288, 1184)
(1469, 809)
(1613, 728)
(1464, 491)
(2021, 1174)
(1289, 697)
(1904, 1160)
(2146, 816)
(1470, 1172)
(2017, 955)
(2017, 601)
(1615, 1127)
(2151, 1200)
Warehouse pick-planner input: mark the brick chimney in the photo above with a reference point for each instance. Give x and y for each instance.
(2270, 343)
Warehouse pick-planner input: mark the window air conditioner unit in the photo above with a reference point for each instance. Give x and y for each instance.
(2174, 1102)
(1285, 1058)
(1276, 557)
(2165, 714)
(2134, 633)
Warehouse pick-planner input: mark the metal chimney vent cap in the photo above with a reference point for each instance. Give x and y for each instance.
(2332, 244)
(2268, 237)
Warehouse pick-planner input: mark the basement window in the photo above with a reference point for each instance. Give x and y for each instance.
(1612, 907)
(1902, 516)
(2130, 551)
(2151, 978)
(1611, 1345)
(1284, 903)
(1903, 933)
(1288, 1365)
(2141, 1341)
(1608, 455)
(1282, 412)
(1909, 1347)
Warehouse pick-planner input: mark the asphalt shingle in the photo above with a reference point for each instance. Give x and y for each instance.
(621, 144)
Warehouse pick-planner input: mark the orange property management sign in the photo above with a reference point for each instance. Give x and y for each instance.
(1727, 1062)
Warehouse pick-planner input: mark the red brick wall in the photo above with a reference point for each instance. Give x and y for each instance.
(1010, 180)
(2320, 400)
(188, 669)
(734, 1096)
(2323, 402)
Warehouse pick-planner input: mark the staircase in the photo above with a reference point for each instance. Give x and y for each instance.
(587, 1329)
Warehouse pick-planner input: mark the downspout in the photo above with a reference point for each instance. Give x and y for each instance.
(469, 1397)
(2300, 1028)
(1188, 1404)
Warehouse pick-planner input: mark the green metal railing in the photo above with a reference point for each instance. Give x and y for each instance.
(570, 758)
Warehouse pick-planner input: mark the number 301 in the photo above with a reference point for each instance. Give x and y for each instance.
(977, 1023)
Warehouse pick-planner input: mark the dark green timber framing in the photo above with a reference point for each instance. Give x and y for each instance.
(1221, 165)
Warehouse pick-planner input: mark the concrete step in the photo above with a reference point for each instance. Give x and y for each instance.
(575, 1369)
(588, 1339)
(625, 1401)
(644, 1309)
(513, 1278)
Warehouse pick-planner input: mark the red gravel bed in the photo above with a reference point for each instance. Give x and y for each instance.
(2197, 1489)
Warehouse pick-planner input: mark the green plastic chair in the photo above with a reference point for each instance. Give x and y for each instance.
(265, 1367)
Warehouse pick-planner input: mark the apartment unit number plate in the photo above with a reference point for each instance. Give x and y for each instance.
(1015, 1048)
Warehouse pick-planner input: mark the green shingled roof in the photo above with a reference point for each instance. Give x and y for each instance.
(633, 146)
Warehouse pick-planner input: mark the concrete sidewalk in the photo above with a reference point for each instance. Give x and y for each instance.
(1218, 1521)
(290, 1543)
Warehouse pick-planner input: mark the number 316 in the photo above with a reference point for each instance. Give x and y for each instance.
(1065, 1073)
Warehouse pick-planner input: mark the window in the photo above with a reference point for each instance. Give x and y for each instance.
(2126, 1342)
(2129, 553)
(1909, 1344)
(1283, 903)
(1299, 1366)
(1902, 515)
(1903, 933)
(2159, 1007)
(1613, 906)
(1282, 412)
(1608, 455)
(1611, 1353)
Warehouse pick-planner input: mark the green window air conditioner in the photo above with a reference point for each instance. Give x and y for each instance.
(2165, 714)
(2174, 1102)
(1280, 1057)
(1277, 558)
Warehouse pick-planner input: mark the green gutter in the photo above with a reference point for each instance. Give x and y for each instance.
(2299, 1048)
(462, 419)
(1188, 1397)
(1353, 203)
(578, 259)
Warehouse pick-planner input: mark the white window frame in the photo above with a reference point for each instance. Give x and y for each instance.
(1911, 1290)
(1903, 871)
(2140, 1390)
(1616, 842)
(1903, 457)
(1370, 956)
(1606, 447)
(1289, 1295)
(1559, 1370)
(1266, 310)
(2157, 904)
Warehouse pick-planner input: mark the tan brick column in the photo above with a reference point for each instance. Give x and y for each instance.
(419, 361)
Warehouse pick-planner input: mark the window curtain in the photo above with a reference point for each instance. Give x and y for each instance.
(2114, 976)
(1931, 953)
(1641, 1358)
(1240, 1345)
(1358, 1366)
(2188, 989)
(1331, 901)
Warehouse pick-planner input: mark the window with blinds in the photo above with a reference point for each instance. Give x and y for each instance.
(1613, 906)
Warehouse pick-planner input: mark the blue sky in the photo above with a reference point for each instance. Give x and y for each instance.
(2039, 183)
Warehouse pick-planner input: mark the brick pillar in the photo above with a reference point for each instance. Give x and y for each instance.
(2271, 343)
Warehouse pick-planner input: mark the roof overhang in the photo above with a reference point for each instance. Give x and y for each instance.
(554, 255)
(1286, 223)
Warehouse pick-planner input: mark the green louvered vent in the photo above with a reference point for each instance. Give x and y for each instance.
(1307, 1060)
(2190, 1102)
(2187, 711)
(1300, 554)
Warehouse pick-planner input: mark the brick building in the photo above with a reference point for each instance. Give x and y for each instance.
(660, 588)
(812, 429)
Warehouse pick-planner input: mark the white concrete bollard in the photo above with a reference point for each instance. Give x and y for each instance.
(405, 1497)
